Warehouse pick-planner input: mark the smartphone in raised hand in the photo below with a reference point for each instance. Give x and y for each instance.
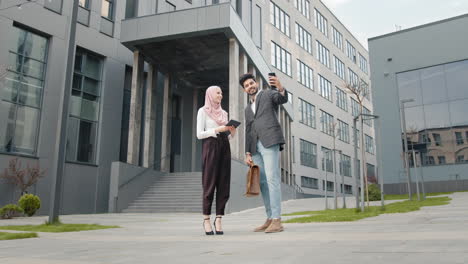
(271, 74)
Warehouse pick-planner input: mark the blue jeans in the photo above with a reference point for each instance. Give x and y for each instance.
(270, 181)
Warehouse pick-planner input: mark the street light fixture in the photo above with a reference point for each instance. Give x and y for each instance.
(405, 142)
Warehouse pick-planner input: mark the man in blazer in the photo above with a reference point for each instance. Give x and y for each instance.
(263, 142)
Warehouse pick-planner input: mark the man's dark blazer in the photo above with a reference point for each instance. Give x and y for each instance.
(264, 124)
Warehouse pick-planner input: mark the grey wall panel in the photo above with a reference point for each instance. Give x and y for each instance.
(79, 189)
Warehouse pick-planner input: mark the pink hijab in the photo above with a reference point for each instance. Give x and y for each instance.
(212, 109)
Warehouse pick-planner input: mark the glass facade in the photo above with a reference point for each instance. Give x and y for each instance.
(84, 108)
(437, 115)
(21, 93)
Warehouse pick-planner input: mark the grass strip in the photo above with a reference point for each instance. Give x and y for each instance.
(56, 228)
(11, 236)
(351, 214)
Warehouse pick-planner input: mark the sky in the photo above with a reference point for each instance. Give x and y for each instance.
(370, 18)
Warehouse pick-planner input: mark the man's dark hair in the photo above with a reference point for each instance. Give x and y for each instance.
(244, 78)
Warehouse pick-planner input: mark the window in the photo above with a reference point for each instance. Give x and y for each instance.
(459, 138)
(323, 54)
(365, 89)
(353, 77)
(303, 38)
(369, 144)
(257, 26)
(310, 183)
(327, 159)
(131, 9)
(305, 75)
(348, 189)
(341, 99)
(308, 154)
(325, 89)
(307, 112)
(363, 63)
(84, 108)
(367, 119)
(303, 6)
(345, 165)
(280, 59)
(21, 92)
(371, 177)
(329, 186)
(337, 38)
(441, 159)
(326, 121)
(460, 159)
(279, 19)
(321, 22)
(107, 9)
(339, 68)
(84, 3)
(355, 107)
(437, 139)
(343, 131)
(428, 160)
(350, 52)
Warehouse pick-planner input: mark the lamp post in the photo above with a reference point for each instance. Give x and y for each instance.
(342, 177)
(405, 142)
(59, 159)
(356, 164)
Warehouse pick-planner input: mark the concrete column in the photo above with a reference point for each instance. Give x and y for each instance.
(150, 117)
(135, 109)
(243, 68)
(166, 127)
(194, 128)
(234, 98)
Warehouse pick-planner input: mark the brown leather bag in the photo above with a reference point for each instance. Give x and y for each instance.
(253, 181)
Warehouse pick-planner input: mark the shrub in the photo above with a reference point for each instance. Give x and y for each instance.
(30, 203)
(10, 210)
(23, 178)
(374, 192)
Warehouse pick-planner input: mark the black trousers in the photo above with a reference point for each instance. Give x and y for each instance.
(216, 173)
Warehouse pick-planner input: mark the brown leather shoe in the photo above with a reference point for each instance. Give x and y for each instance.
(263, 227)
(275, 226)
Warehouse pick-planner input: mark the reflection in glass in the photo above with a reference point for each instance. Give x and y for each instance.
(458, 112)
(440, 120)
(409, 87)
(457, 79)
(437, 116)
(433, 85)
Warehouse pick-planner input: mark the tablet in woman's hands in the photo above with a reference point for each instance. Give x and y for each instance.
(233, 123)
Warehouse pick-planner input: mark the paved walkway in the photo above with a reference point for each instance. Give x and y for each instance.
(436, 234)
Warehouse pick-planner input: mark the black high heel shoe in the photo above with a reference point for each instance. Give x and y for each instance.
(210, 233)
(216, 230)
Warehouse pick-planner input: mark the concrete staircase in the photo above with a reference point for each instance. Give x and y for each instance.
(171, 192)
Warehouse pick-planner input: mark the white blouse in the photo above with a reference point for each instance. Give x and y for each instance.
(206, 125)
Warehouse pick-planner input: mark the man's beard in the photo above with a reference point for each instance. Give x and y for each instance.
(253, 94)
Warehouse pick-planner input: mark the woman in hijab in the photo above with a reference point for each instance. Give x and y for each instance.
(216, 157)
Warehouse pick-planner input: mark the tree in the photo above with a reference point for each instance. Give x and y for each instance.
(22, 178)
(360, 90)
